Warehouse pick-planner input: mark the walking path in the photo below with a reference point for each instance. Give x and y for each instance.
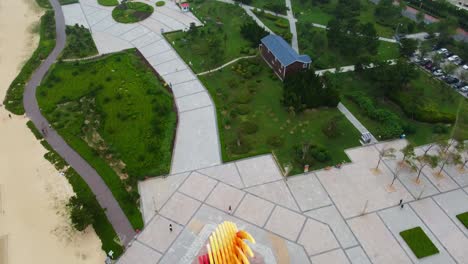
(226, 64)
(292, 26)
(358, 125)
(104, 196)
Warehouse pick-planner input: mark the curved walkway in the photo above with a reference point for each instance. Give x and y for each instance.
(226, 64)
(104, 196)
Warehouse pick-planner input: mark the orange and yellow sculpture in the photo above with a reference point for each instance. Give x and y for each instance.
(227, 246)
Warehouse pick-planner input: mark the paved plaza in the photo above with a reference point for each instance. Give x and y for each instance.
(197, 126)
(346, 215)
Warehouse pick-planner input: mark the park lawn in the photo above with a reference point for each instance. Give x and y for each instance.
(80, 43)
(108, 2)
(434, 92)
(325, 58)
(463, 219)
(132, 12)
(248, 91)
(279, 25)
(223, 22)
(118, 116)
(263, 4)
(419, 242)
(461, 128)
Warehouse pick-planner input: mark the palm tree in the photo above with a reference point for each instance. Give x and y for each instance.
(408, 153)
(420, 162)
(385, 153)
(446, 154)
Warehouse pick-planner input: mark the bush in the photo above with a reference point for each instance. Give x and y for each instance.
(281, 23)
(320, 154)
(440, 129)
(248, 127)
(275, 141)
(330, 128)
(160, 3)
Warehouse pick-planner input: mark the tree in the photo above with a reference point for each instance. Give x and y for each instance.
(387, 13)
(445, 154)
(80, 214)
(408, 47)
(253, 32)
(449, 68)
(276, 7)
(305, 89)
(464, 76)
(462, 154)
(420, 17)
(420, 162)
(408, 153)
(385, 153)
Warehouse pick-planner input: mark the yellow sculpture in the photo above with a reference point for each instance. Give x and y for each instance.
(227, 246)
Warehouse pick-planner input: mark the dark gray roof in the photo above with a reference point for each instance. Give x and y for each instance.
(283, 51)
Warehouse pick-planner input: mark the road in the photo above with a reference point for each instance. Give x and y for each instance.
(104, 196)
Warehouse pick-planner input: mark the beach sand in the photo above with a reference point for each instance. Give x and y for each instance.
(34, 226)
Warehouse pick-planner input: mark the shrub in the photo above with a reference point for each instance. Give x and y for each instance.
(281, 23)
(440, 129)
(275, 141)
(160, 3)
(320, 154)
(330, 128)
(248, 127)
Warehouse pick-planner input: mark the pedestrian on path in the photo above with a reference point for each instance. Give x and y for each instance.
(401, 201)
(170, 227)
(9, 115)
(230, 210)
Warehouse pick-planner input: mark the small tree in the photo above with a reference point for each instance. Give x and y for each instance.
(408, 153)
(445, 154)
(385, 153)
(420, 162)
(395, 174)
(461, 157)
(80, 215)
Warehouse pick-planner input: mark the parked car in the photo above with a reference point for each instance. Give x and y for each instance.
(459, 62)
(459, 85)
(465, 67)
(425, 62)
(454, 58)
(438, 72)
(447, 54)
(464, 89)
(451, 80)
(442, 51)
(429, 65)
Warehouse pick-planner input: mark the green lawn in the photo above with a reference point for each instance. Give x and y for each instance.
(263, 4)
(419, 242)
(313, 41)
(108, 2)
(247, 97)
(132, 12)
(117, 115)
(463, 219)
(461, 128)
(222, 29)
(80, 43)
(67, 2)
(278, 25)
(424, 88)
(14, 98)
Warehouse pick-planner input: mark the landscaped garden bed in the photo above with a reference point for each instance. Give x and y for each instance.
(132, 12)
(80, 43)
(118, 116)
(463, 219)
(108, 2)
(419, 242)
(252, 120)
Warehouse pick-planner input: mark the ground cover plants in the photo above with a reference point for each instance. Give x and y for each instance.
(419, 242)
(117, 115)
(108, 2)
(463, 219)
(278, 25)
(80, 43)
(132, 12)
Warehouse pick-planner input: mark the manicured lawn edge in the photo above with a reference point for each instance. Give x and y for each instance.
(68, 2)
(14, 98)
(108, 2)
(101, 225)
(463, 219)
(419, 242)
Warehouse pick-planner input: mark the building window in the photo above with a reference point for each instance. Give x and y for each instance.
(304, 65)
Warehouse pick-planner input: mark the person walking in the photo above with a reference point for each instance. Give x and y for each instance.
(170, 227)
(230, 210)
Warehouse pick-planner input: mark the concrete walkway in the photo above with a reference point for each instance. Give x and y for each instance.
(358, 125)
(104, 196)
(226, 64)
(292, 26)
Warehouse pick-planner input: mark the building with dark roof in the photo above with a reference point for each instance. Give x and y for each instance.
(281, 57)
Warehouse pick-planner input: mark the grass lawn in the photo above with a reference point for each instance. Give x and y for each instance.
(313, 41)
(461, 128)
(223, 22)
(463, 218)
(117, 115)
(132, 12)
(263, 4)
(67, 2)
(419, 243)
(80, 43)
(108, 2)
(278, 25)
(426, 89)
(14, 98)
(250, 93)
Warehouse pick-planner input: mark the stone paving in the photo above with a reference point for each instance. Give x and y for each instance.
(197, 126)
(316, 217)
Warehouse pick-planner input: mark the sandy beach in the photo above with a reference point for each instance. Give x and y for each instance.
(34, 226)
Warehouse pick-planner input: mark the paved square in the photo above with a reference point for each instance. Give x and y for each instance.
(180, 208)
(308, 191)
(285, 223)
(458, 174)
(224, 196)
(335, 257)
(254, 210)
(197, 186)
(454, 203)
(226, 173)
(258, 170)
(357, 256)
(159, 225)
(276, 192)
(139, 253)
(317, 238)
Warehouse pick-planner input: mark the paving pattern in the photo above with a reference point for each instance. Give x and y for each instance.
(316, 217)
(197, 126)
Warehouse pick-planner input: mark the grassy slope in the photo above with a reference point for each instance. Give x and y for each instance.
(419, 242)
(440, 95)
(134, 116)
(80, 43)
(14, 98)
(272, 118)
(196, 50)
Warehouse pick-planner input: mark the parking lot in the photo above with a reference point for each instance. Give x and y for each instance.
(447, 67)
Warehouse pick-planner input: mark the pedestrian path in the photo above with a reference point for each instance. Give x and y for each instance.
(358, 125)
(226, 64)
(197, 141)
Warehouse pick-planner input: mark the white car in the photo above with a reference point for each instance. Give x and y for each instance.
(454, 58)
(464, 89)
(465, 67)
(443, 50)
